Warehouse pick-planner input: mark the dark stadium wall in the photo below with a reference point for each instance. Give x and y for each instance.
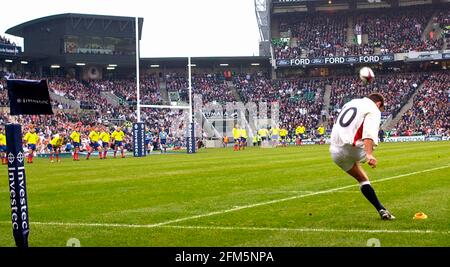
(44, 38)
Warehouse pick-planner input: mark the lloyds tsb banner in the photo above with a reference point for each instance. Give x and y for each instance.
(334, 60)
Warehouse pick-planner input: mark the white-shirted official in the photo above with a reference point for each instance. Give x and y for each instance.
(353, 138)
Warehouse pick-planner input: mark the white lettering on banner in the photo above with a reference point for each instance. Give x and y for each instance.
(369, 59)
(22, 198)
(135, 141)
(300, 61)
(334, 60)
(405, 139)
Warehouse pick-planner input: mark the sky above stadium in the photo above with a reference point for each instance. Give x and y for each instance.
(172, 28)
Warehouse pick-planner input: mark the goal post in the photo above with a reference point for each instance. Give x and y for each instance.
(182, 120)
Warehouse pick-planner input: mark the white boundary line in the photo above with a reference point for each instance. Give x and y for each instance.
(239, 208)
(283, 229)
(241, 228)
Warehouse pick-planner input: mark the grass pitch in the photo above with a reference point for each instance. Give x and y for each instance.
(292, 196)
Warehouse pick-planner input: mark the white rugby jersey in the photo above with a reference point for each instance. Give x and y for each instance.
(359, 119)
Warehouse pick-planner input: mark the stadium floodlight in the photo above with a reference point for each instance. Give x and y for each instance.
(193, 65)
(224, 64)
(112, 65)
(23, 62)
(110, 68)
(255, 64)
(55, 66)
(80, 64)
(8, 61)
(154, 66)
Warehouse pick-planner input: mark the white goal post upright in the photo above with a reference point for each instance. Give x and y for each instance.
(137, 72)
(190, 89)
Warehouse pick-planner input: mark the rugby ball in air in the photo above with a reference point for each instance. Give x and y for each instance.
(366, 75)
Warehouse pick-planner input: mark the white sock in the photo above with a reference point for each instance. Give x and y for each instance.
(363, 183)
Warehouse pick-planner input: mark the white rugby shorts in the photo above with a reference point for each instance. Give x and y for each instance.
(347, 155)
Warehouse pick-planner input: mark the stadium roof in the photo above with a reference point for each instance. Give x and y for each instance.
(18, 30)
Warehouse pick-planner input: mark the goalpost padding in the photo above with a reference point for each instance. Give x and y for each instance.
(139, 149)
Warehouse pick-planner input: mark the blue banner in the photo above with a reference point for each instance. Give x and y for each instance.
(7, 49)
(17, 185)
(446, 56)
(190, 139)
(139, 139)
(334, 60)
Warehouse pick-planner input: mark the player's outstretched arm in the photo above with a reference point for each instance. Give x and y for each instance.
(368, 148)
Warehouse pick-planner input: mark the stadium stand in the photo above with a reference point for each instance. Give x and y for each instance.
(300, 101)
(430, 112)
(388, 31)
(317, 35)
(396, 88)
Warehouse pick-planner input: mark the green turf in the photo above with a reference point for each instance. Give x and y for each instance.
(149, 192)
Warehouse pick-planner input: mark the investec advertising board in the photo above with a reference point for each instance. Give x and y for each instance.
(334, 60)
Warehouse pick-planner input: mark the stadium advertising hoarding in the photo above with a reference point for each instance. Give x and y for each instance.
(288, 1)
(418, 138)
(334, 60)
(423, 56)
(220, 115)
(7, 49)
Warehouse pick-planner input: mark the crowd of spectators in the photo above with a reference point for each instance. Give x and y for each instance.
(176, 82)
(396, 88)
(317, 35)
(212, 88)
(299, 101)
(397, 30)
(442, 23)
(324, 34)
(430, 111)
(125, 90)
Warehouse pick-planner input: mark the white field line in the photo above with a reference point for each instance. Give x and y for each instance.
(240, 228)
(238, 207)
(321, 230)
(287, 198)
